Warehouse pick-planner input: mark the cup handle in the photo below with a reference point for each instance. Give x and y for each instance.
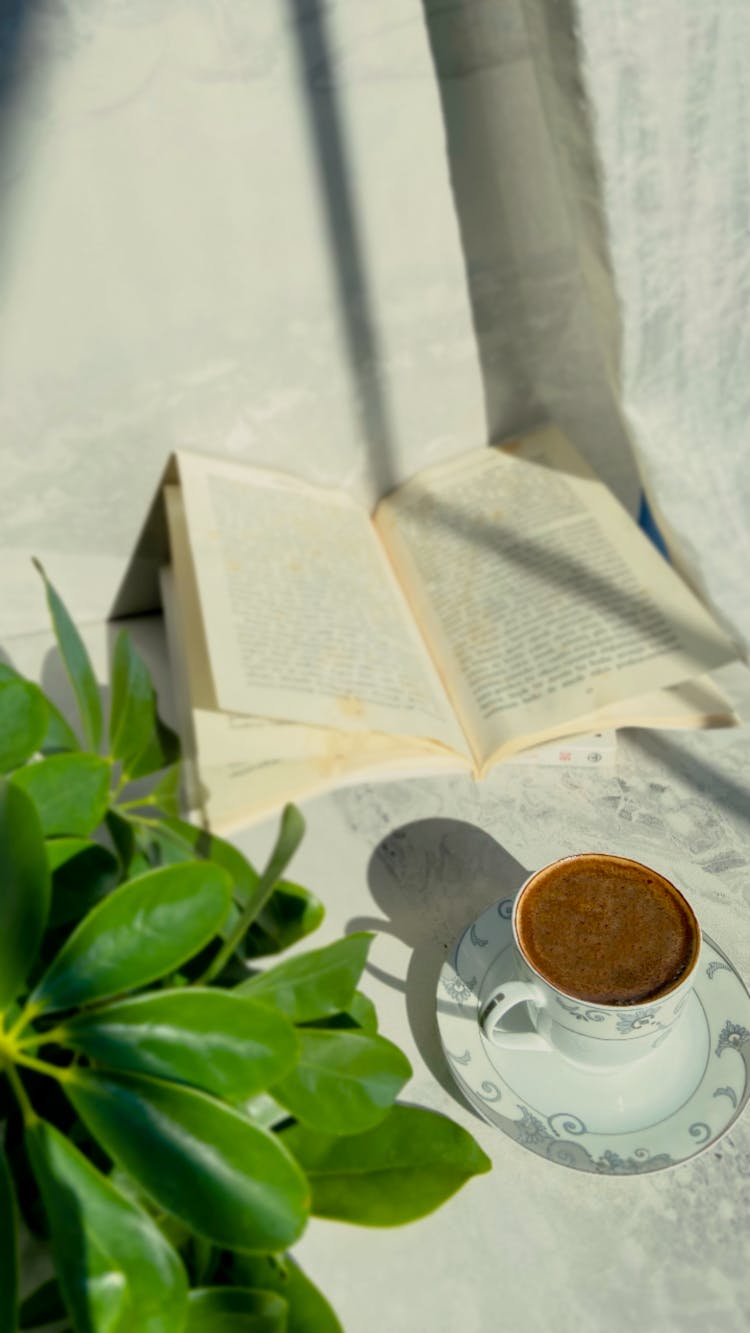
(494, 1009)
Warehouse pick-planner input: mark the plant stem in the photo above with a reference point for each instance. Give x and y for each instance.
(263, 890)
(41, 1038)
(259, 899)
(27, 1111)
(26, 1017)
(221, 959)
(43, 1067)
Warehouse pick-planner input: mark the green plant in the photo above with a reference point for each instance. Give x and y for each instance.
(174, 1110)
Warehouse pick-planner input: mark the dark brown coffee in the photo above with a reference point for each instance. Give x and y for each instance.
(607, 930)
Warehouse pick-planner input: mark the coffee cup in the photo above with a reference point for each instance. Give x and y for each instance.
(606, 954)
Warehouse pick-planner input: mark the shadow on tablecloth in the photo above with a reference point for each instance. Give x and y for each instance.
(431, 879)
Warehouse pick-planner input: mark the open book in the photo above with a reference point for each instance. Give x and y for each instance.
(491, 603)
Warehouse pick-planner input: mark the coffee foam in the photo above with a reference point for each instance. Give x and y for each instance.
(606, 930)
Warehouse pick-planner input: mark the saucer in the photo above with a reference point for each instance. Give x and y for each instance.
(666, 1108)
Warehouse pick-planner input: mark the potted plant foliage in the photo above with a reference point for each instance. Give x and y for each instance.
(173, 1106)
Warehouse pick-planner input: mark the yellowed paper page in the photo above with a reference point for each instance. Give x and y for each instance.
(540, 596)
(238, 794)
(302, 616)
(668, 709)
(693, 703)
(226, 743)
(237, 770)
(688, 706)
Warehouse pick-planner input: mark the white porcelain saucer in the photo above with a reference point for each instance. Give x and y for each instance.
(663, 1110)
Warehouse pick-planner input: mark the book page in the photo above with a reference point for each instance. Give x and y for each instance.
(238, 768)
(302, 618)
(543, 599)
(691, 704)
(688, 706)
(236, 795)
(226, 739)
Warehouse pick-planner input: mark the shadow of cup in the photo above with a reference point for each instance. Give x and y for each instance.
(430, 879)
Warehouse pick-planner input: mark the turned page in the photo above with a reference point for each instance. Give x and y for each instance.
(304, 620)
(238, 767)
(217, 737)
(543, 600)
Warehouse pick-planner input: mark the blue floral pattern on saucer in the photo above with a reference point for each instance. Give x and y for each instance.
(559, 1111)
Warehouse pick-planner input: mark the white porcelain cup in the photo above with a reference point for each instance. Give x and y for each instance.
(600, 1036)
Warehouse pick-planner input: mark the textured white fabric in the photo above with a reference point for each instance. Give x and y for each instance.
(667, 88)
(346, 239)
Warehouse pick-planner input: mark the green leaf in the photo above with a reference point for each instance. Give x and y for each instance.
(264, 1110)
(315, 984)
(23, 722)
(403, 1168)
(158, 850)
(218, 1041)
(59, 734)
(343, 1082)
(28, 1199)
(204, 1259)
(61, 850)
(77, 665)
(290, 914)
(70, 791)
(361, 1014)
(125, 835)
(84, 873)
(234, 1310)
(309, 1311)
(202, 1161)
(178, 1235)
(137, 735)
(8, 1251)
(187, 840)
(25, 895)
(146, 928)
(116, 1270)
(122, 833)
(290, 835)
(44, 1305)
(166, 794)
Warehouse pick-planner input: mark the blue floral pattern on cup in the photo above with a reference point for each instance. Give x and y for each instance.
(624, 1020)
(583, 1015)
(637, 1020)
